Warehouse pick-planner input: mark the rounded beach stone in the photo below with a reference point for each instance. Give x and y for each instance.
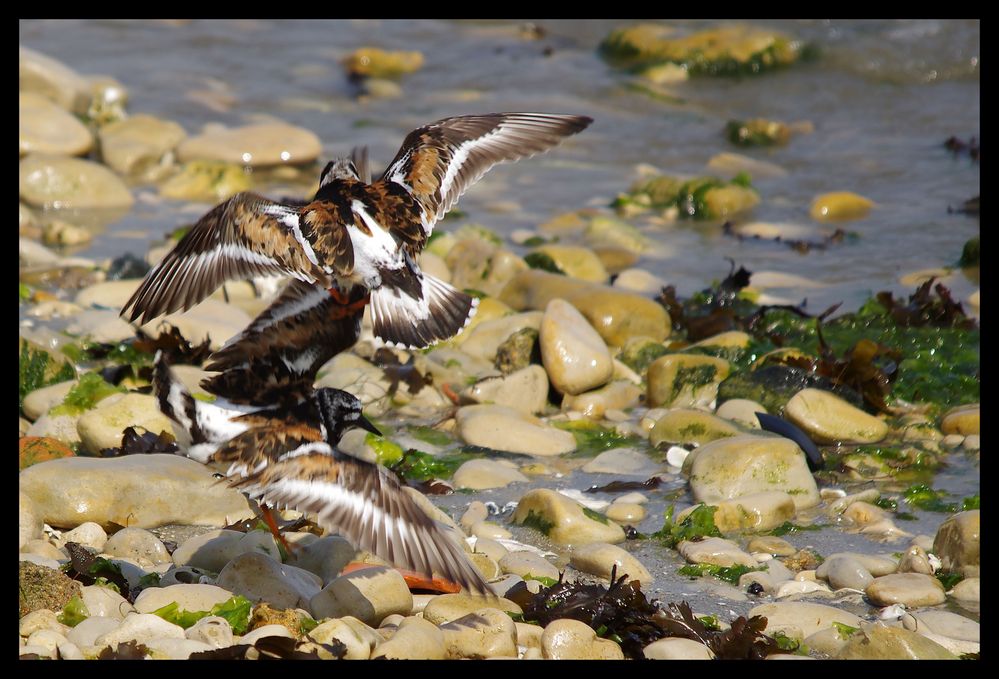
(502, 428)
(447, 607)
(140, 627)
(827, 418)
(771, 544)
(915, 560)
(325, 557)
(962, 420)
(188, 597)
(46, 128)
(838, 206)
(527, 564)
(910, 589)
(263, 631)
(677, 648)
(843, 571)
(946, 624)
(486, 633)
(211, 319)
(799, 619)
(260, 578)
(212, 630)
(574, 355)
(415, 639)
(52, 79)
(138, 544)
(685, 380)
(641, 281)
(63, 182)
(254, 145)
(875, 564)
(684, 425)
(575, 261)
(623, 461)
(600, 559)
(102, 427)
(742, 411)
(755, 512)
(566, 639)
(360, 639)
(481, 473)
(525, 390)
(732, 467)
(86, 632)
(38, 401)
(175, 649)
(211, 550)
(29, 523)
(485, 337)
(715, 551)
(42, 619)
(957, 543)
(968, 590)
(136, 490)
(564, 520)
(625, 512)
(617, 395)
(42, 547)
(46, 638)
(140, 144)
(368, 594)
(105, 602)
(880, 642)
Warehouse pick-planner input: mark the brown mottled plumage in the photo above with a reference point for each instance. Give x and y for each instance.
(356, 233)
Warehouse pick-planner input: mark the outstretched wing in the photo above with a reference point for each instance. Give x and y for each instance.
(369, 507)
(245, 236)
(438, 162)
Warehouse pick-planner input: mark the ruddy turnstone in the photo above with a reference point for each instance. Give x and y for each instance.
(355, 233)
(287, 457)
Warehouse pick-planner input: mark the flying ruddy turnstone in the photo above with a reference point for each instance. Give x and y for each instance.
(355, 233)
(287, 457)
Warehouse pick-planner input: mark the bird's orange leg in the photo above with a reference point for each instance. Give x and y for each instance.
(268, 517)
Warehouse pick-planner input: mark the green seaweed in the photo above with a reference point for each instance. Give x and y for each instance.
(24, 292)
(429, 435)
(695, 377)
(787, 528)
(845, 631)
(537, 522)
(387, 452)
(925, 498)
(236, 610)
(85, 394)
(594, 515)
(36, 369)
(729, 574)
(699, 523)
(74, 612)
(971, 502)
(948, 579)
(592, 439)
(416, 465)
(543, 261)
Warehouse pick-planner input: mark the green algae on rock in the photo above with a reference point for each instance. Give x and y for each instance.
(757, 132)
(39, 368)
(725, 51)
(699, 198)
(206, 181)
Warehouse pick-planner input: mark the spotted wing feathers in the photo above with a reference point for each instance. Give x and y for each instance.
(414, 310)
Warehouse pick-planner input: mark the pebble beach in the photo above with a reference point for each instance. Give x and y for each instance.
(593, 430)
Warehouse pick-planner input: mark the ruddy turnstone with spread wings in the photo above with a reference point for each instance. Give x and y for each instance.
(287, 457)
(355, 233)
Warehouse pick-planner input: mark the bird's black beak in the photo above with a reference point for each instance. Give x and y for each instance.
(364, 423)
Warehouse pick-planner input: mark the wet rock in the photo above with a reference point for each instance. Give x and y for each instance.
(518, 351)
(731, 164)
(957, 543)
(615, 314)
(573, 353)
(600, 558)
(102, 427)
(567, 639)
(525, 390)
(108, 98)
(743, 465)
(187, 597)
(34, 449)
(742, 411)
(325, 557)
(210, 320)
(52, 79)
(799, 619)
(448, 607)
(880, 642)
(141, 146)
(100, 326)
(840, 206)
(47, 128)
(677, 648)
(624, 461)
(38, 402)
(756, 512)
(87, 631)
(207, 181)
(616, 395)
(502, 428)
(910, 589)
(142, 491)
(212, 630)
(253, 145)
(29, 523)
(369, 594)
(564, 520)
(641, 281)
(265, 631)
(639, 352)
(175, 649)
(360, 639)
(138, 544)
(482, 473)
(684, 426)
(261, 578)
(478, 262)
(528, 565)
(574, 261)
(826, 418)
(415, 639)
(105, 602)
(968, 591)
(715, 551)
(685, 380)
(61, 182)
(486, 633)
(962, 420)
(378, 63)
(42, 619)
(606, 231)
(915, 560)
(844, 571)
(625, 512)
